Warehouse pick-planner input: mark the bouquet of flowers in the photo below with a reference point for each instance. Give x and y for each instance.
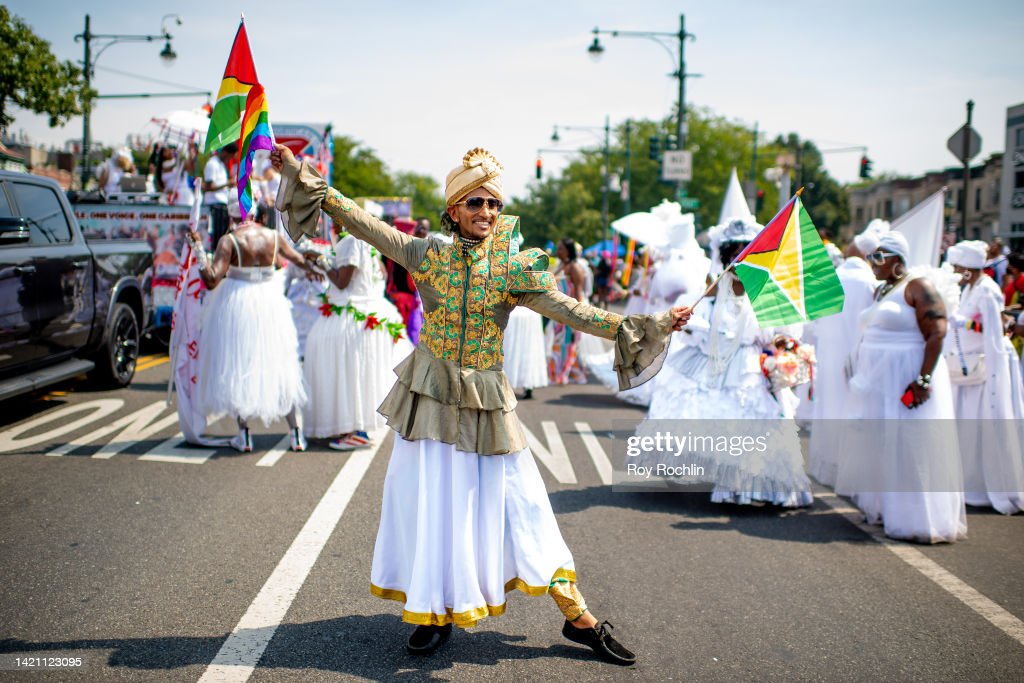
(788, 363)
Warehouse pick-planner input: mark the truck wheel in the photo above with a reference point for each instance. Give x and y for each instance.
(115, 362)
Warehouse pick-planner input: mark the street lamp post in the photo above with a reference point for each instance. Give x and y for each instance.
(606, 179)
(88, 62)
(596, 49)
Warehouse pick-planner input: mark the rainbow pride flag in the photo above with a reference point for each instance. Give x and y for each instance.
(787, 272)
(239, 77)
(256, 134)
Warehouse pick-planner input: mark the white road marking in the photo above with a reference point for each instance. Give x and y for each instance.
(985, 607)
(147, 413)
(136, 427)
(99, 408)
(557, 459)
(242, 650)
(597, 454)
(275, 453)
(171, 451)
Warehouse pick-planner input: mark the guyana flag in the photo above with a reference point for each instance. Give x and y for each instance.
(786, 271)
(239, 77)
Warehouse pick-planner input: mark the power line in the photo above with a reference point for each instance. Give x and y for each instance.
(145, 78)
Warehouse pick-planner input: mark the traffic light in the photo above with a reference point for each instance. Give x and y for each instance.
(539, 168)
(654, 149)
(865, 167)
(760, 201)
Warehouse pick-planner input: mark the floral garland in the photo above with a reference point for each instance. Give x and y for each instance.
(395, 329)
(788, 364)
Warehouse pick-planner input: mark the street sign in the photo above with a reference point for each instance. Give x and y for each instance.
(677, 165)
(691, 203)
(956, 143)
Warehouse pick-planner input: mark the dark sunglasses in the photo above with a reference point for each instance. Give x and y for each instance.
(474, 204)
(878, 257)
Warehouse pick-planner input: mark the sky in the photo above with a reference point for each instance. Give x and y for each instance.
(422, 82)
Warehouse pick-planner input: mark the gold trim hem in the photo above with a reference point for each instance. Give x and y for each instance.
(467, 618)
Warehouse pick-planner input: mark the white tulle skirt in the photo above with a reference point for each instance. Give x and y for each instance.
(688, 390)
(902, 467)
(349, 371)
(525, 352)
(458, 531)
(249, 358)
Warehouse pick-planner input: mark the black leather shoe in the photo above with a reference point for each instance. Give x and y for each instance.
(425, 639)
(528, 394)
(600, 640)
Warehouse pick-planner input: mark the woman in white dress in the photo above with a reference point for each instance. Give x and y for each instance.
(982, 364)
(717, 376)
(249, 364)
(352, 349)
(903, 467)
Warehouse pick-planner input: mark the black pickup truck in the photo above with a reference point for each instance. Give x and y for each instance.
(67, 306)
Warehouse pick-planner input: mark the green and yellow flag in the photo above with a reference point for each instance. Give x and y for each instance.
(787, 272)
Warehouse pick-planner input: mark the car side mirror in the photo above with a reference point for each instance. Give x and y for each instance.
(14, 230)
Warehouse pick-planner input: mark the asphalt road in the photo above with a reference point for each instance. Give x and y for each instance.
(142, 565)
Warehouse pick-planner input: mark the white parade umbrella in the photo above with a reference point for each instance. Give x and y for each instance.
(644, 227)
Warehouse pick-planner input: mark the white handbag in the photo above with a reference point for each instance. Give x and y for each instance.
(967, 368)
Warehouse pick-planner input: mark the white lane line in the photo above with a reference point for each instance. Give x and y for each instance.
(597, 454)
(555, 460)
(241, 652)
(97, 410)
(275, 453)
(171, 451)
(985, 607)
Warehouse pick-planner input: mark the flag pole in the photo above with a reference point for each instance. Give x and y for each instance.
(714, 284)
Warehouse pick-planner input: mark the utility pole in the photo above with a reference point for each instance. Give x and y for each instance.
(681, 129)
(86, 105)
(627, 194)
(962, 232)
(607, 178)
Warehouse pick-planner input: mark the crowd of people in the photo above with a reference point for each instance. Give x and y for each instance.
(431, 334)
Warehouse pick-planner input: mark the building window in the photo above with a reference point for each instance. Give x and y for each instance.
(859, 215)
(1018, 180)
(977, 199)
(1020, 137)
(1017, 228)
(959, 200)
(888, 209)
(976, 233)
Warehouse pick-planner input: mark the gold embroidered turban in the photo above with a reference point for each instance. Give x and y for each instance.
(479, 168)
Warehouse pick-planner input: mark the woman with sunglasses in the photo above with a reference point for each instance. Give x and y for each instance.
(465, 517)
(903, 463)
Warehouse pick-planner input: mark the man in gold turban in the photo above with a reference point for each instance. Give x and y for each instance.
(465, 517)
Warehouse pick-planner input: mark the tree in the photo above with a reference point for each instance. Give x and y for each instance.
(823, 196)
(427, 200)
(358, 171)
(32, 78)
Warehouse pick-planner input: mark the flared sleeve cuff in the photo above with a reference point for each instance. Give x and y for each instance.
(641, 344)
(299, 199)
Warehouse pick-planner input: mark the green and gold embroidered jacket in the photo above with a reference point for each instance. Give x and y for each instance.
(452, 387)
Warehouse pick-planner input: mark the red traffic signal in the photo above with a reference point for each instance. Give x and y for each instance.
(539, 168)
(865, 167)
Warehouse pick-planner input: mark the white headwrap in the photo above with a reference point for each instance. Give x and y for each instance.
(867, 241)
(894, 243)
(968, 254)
(733, 230)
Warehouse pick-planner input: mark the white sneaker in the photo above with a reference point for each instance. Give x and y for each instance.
(299, 443)
(242, 441)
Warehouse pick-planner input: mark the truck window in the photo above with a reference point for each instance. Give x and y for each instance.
(48, 223)
(5, 206)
